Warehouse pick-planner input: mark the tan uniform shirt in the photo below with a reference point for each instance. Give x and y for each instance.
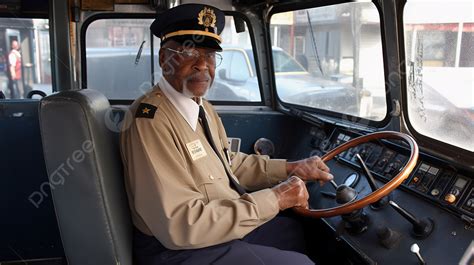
(178, 188)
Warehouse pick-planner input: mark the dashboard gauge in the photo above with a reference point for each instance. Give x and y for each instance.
(352, 179)
(264, 146)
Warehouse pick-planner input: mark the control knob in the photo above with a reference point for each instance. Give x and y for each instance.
(450, 198)
(470, 203)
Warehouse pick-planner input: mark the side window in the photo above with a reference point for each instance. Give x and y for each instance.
(115, 69)
(112, 61)
(240, 68)
(330, 58)
(440, 69)
(25, 62)
(235, 80)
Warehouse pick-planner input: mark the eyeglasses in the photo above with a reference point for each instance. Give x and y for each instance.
(191, 55)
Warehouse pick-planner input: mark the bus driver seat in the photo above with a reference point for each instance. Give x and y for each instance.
(86, 178)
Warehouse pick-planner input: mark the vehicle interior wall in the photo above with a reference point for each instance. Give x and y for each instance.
(28, 226)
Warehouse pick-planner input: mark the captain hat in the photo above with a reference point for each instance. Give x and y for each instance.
(198, 24)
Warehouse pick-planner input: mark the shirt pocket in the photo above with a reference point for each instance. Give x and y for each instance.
(210, 186)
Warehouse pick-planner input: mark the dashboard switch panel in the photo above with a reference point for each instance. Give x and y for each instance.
(428, 179)
(441, 185)
(418, 176)
(468, 205)
(460, 185)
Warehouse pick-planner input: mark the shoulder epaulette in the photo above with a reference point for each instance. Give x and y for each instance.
(146, 110)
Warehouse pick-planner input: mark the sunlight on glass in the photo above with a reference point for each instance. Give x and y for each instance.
(439, 46)
(330, 58)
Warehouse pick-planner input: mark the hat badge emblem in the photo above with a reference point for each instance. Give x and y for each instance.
(207, 18)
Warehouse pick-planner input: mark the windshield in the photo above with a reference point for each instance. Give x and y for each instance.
(283, 62)
(330, 58)
(439, 41)
(125, 46)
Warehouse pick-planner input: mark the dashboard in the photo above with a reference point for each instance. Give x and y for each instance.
(437, 197)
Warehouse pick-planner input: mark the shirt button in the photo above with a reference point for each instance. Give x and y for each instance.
(211, 177)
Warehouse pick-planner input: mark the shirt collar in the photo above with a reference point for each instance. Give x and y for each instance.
(187, 107)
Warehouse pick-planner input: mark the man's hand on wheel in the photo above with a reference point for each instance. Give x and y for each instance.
(310, 169)
(291, 192)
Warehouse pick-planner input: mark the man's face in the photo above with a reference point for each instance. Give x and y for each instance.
(190, 75)
(15, 45)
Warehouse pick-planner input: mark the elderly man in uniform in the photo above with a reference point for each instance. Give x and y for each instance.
(191, 202)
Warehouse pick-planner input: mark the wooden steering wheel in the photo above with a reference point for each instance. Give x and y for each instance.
(380, 192)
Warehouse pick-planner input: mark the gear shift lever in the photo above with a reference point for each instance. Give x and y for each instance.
(380, 203)
(333, 184)
(415, 249)
(421, 228)
(357, 221)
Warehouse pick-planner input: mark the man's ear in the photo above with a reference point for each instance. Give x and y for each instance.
(161, 57)
(166, 68)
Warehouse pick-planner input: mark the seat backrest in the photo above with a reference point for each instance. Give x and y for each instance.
(86, 178)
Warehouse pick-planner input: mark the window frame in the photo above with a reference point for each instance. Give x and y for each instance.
(99, 16)
(330, 114)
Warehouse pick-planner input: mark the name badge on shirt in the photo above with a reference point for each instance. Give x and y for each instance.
(196, 150)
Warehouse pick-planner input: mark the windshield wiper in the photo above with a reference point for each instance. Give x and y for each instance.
(310, 118)
(139, 53)
(313, 39)
(320, 122)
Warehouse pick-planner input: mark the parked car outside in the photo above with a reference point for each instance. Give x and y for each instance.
(236, 80)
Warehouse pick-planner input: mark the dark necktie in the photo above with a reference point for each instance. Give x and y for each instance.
(207, 131)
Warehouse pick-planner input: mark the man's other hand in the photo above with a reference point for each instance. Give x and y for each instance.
(310, 169)
(291, 192)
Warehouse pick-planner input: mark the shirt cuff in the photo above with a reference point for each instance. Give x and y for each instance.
(276, 170)
(267, 203)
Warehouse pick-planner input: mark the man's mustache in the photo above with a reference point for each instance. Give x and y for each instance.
(199, 76)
